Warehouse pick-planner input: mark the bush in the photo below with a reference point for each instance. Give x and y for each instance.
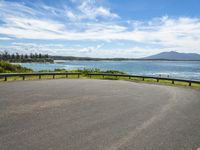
(1, 69)
(6, 67)
(114, 72)
(85, 71)
(60, 70)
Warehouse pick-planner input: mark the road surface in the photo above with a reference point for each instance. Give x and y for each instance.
(76, 114)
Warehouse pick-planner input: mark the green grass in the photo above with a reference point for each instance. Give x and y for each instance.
(134, 79)
(6, 67)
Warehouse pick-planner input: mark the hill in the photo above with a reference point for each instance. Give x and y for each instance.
(172, 55)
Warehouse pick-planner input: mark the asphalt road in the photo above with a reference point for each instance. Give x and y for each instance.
(80, 114)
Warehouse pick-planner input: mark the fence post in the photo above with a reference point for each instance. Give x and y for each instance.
(39, 76)
(78, 75)
(157, 80)
(66, 75)
(53, 76)
(143, 79)
(129, 77)
(5, 78)
(190, 83)
(23, 77)
(103, 76)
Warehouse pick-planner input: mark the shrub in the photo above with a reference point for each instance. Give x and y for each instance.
(6, 67)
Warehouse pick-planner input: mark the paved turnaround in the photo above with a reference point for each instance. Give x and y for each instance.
(81, 114)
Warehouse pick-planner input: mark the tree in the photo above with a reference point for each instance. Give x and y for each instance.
(26, 56)
(36, 55)
(13, 56)
(31, 55)
(40, 55)
(17, 56)
(22, 56)
(1, 55)
(5, 55)
(46, 56)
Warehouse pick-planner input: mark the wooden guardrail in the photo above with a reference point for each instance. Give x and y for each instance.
(24, 75)
(144, 77)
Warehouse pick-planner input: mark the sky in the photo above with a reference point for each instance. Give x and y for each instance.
(100, 28)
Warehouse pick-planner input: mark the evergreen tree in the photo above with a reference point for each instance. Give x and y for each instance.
(26, 56)
(17, 56)
(40, 55)
(13, 56)
(22, 56)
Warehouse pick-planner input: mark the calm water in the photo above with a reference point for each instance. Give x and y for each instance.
(175, 69)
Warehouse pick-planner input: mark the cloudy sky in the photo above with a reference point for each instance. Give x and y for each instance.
(100, 28)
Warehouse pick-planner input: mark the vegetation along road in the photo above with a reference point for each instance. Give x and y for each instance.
(75, 114)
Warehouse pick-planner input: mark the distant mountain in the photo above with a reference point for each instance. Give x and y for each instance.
(172, 55)
(161, 56)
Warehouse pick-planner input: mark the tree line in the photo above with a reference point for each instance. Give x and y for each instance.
(32, 57)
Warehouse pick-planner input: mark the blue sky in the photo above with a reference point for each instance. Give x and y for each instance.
(100, 28)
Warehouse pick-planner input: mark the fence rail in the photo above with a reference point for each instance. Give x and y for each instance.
(24, 75)
(144, 77)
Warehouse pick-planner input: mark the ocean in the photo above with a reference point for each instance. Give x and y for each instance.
(173, 69)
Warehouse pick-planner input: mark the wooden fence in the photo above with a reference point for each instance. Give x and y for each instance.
(53, 74)
(144, 77)
(24, 75)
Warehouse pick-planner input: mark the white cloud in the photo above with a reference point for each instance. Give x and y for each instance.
(5, 39)
(181, 34)
(27, 48)
(105, 12)
(91, 11)
(82, 23)
(91, 49)
(32, 24)
(71, 15)
(88, 10)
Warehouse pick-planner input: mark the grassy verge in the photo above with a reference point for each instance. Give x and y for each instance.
(134, 79)
(6, 67)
